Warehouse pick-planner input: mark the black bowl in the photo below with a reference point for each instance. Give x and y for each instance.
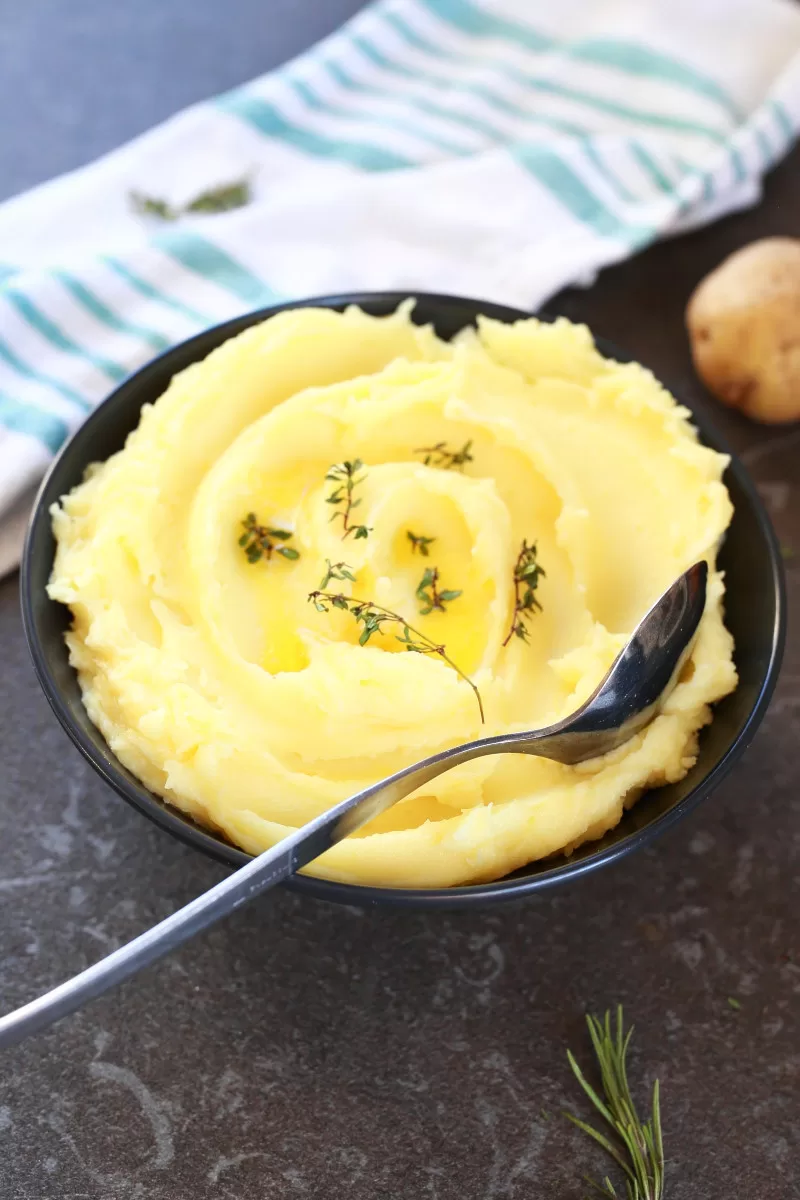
(755, 614)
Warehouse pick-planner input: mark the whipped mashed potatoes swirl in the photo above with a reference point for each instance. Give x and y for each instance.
(226, 692)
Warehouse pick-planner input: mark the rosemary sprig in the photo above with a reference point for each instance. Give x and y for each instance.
(429, 596)
(258, 541)
(218, 199)
(419, 543)
(636, 1146)
(441, 455)
(345, 476)
(527, 574)
(374, 616)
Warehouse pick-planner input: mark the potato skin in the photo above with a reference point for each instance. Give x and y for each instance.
(744, 327)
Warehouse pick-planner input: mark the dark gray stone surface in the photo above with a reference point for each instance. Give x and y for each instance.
(78, 77)
(301, 1050)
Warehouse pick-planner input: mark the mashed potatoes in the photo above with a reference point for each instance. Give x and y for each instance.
(217, 683)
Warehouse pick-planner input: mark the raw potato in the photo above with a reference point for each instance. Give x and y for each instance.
(744, 325)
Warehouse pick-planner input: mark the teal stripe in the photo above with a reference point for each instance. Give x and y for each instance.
(602, 167)
(706, 177)
(739, 173)
(613, 108)
(764, 147)
(416, 40)
(644, 63)
(469, 18)
(379, 59)
(686, 172)
(6, 271)
(197, 254)
(430, 108)
(145, 288)
(101, 311)
(352, 85)
(264, 117)
(649, 164)
(783, 119)
(313, 101)
(26, 418)
(21, 367)
(629, 57)
(549, 87)
(56, 336)
(570, 190)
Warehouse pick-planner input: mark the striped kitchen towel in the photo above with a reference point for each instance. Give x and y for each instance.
(495, 148)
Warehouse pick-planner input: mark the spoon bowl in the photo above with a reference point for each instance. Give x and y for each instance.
(631, 693)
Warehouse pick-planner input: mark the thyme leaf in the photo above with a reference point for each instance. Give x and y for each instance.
(339, 571)
(419, 543)
(258, 541)
(151, 206)
(223, 198)
(345, 476)
(441, 455)
(429, 596)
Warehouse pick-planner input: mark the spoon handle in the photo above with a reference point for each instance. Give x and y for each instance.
(264, 872)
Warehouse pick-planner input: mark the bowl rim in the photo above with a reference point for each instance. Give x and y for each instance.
(510, 888)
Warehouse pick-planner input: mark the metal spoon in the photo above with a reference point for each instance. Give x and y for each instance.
(640, 679)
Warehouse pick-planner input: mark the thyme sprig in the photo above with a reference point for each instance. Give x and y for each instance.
(429, 596)
(258, 541)
(339, 571)
(420, 543)
(372, 617)
(223, 198)
(636, 1146)
(345, 476)
(441, 455)
(527, 574)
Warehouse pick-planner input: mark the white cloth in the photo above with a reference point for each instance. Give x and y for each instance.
(495, 148)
